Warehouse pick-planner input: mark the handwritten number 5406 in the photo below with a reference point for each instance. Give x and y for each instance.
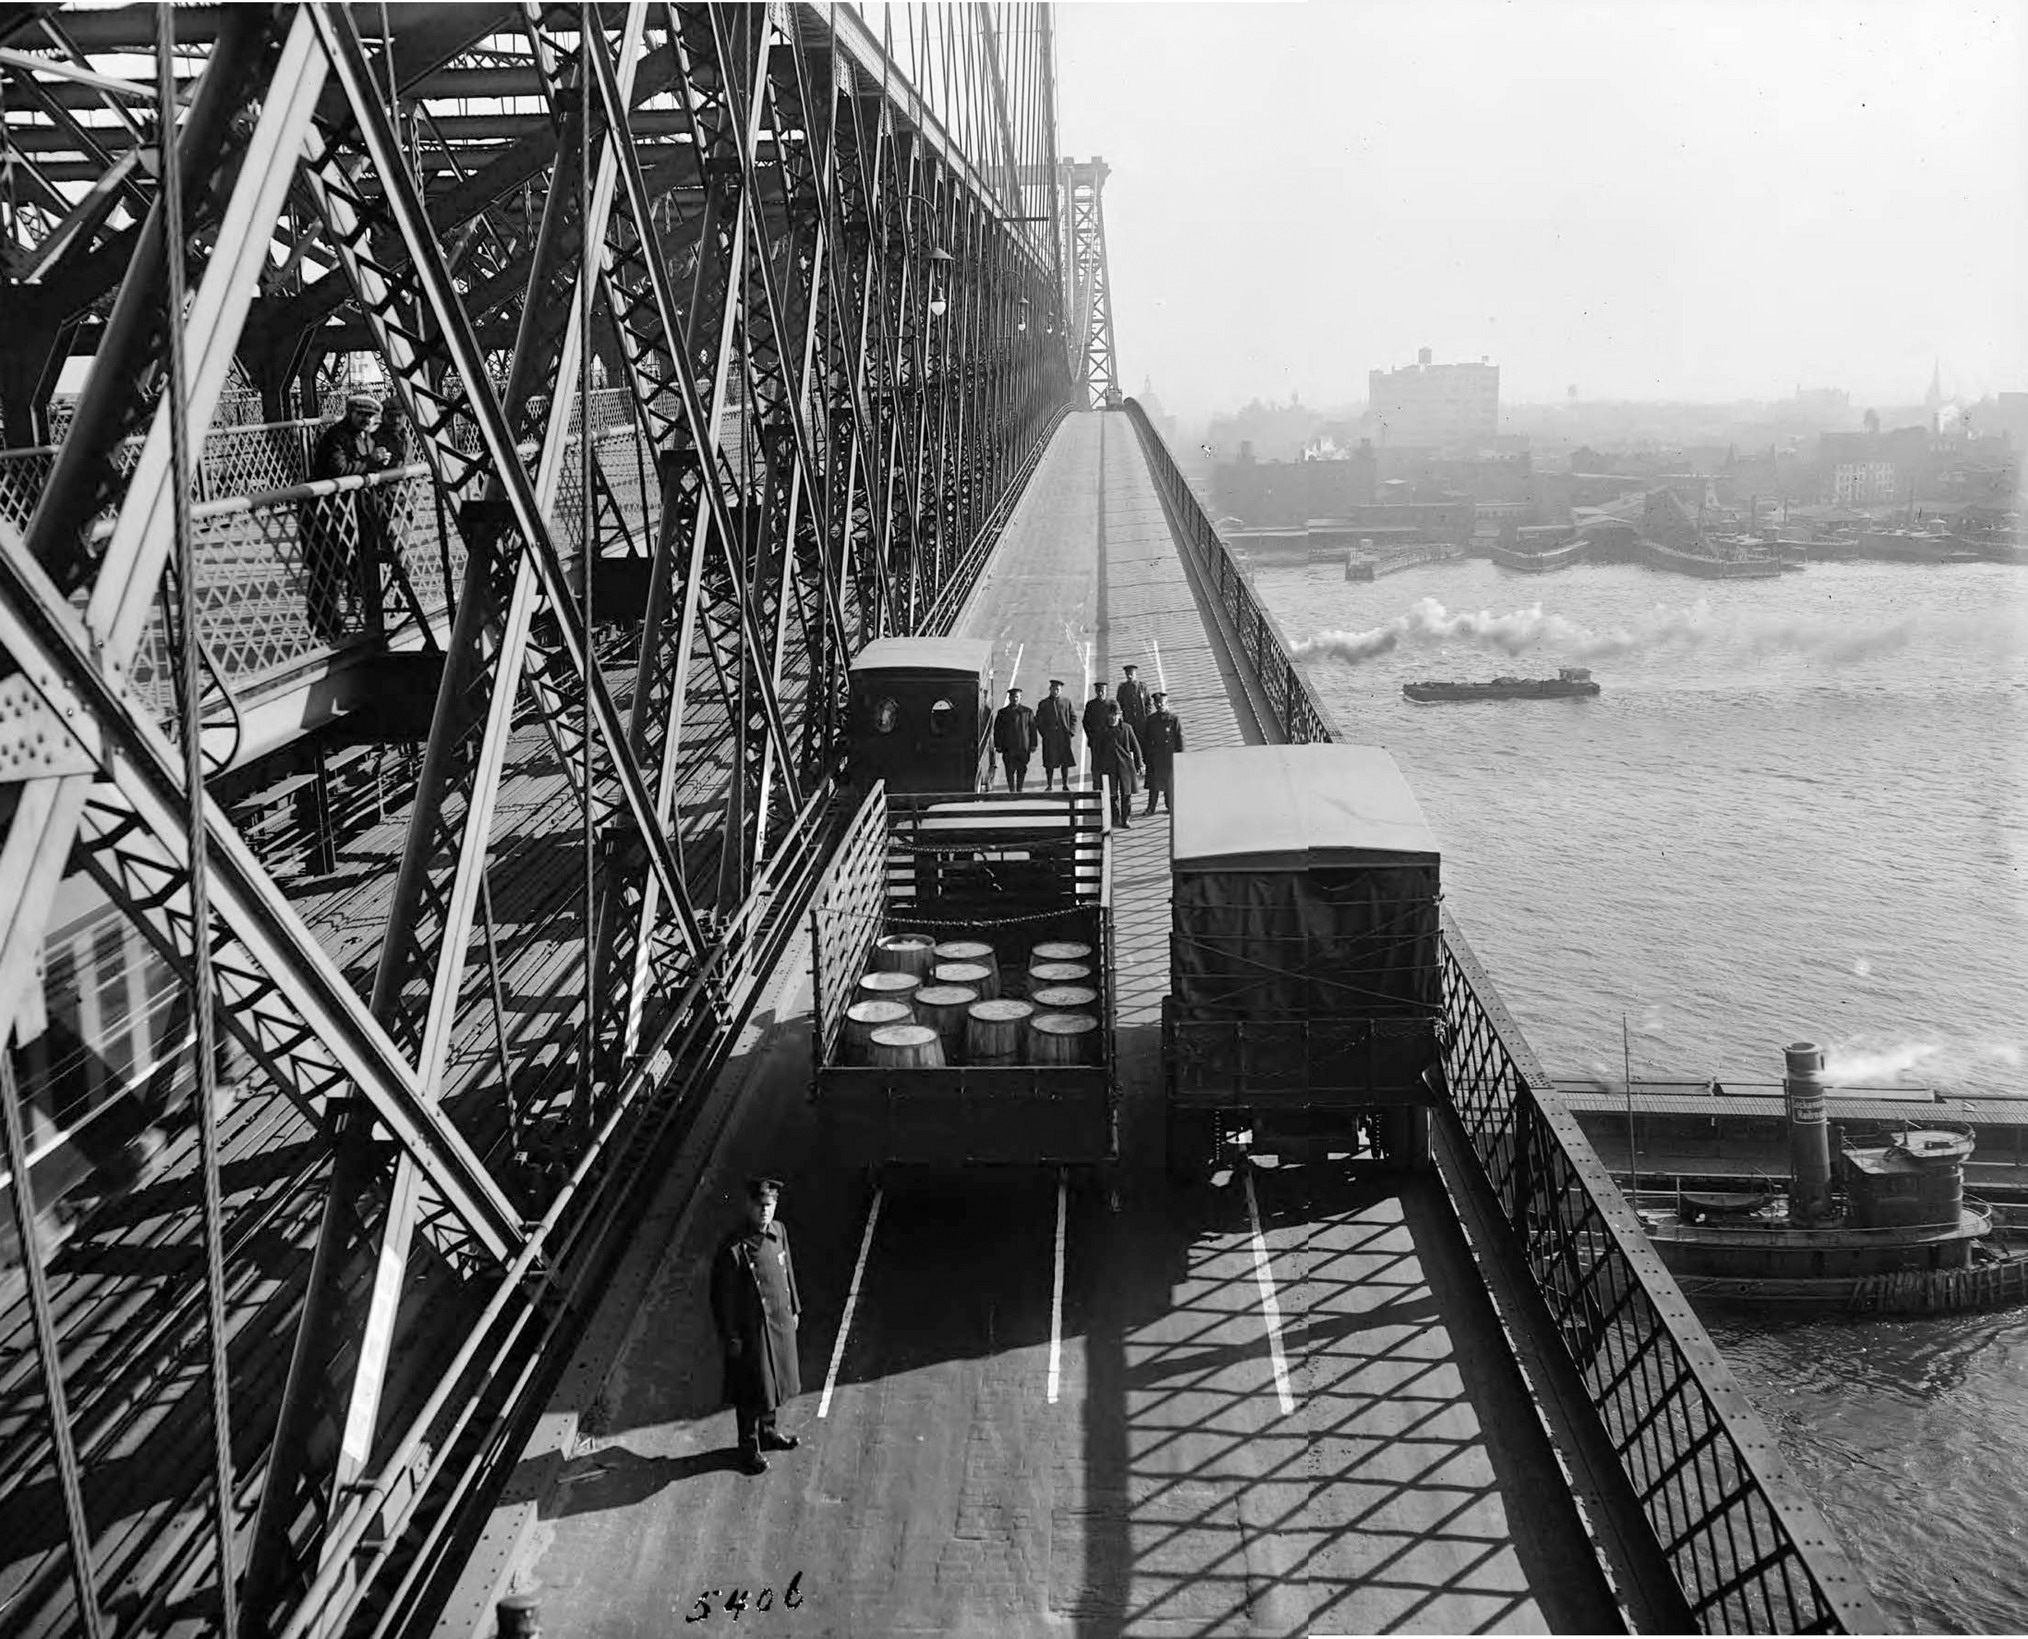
(734, 1601)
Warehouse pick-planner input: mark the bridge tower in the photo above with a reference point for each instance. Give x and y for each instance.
(1088, 297)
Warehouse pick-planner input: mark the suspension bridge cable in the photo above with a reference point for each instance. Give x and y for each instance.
(189, 706)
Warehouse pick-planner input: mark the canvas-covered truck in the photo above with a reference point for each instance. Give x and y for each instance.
(1305, 990)
(961, 944)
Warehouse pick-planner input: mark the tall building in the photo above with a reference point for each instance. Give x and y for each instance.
(1440, 404)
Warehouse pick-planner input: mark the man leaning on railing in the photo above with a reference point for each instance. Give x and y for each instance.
(345, 535)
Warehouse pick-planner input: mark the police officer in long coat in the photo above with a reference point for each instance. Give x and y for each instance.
(1015, 738)
(1116, 755)
(1133, 700)
(1161, 738)
(755, 1303)
(1095, 710)
(1056, 723)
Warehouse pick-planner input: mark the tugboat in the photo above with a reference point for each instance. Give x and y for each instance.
(1889, 1229)
(1569, 683)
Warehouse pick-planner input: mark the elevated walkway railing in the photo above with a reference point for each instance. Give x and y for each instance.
(283, 582)
(1747, 1550)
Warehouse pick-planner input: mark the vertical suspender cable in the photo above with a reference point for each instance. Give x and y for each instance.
(191, 724)
(587, 252)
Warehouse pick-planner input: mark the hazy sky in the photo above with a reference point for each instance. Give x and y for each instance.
(1648, 199)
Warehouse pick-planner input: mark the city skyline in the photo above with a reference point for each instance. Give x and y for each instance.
(1691, 202)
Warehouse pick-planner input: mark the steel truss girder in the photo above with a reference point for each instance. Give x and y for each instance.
(507, 583)
(829, 449)
(45, 636)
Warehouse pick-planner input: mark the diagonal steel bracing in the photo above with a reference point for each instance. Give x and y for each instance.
(737, 209)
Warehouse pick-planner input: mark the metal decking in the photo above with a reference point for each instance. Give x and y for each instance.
(1282, 1405)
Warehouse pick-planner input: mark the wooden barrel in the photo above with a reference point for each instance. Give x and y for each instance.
(1064, 999)
(905, 953)
(907, 1047)
(943, 1009)
(888, 986)
(993, 1031)
(1059, 950)
(1045, 974)
(974, 976)
(975, 952)
(863, 1018)
(1060, 1038)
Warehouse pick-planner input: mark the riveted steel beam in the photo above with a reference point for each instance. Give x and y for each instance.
(55, 652)
(45, 824)
(817, 448)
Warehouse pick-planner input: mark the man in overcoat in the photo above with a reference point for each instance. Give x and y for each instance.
(1161, 739)
(1116, 756)
(336, 557)
(755, 1303)
(1095, 710)
(1133, 700)
(1015, 738)
(1056, 723)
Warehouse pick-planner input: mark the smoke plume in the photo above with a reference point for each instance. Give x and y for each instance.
(1865, 1061)
(1522, 630)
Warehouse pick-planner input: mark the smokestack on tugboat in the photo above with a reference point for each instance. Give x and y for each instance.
(1903, 1236)
(1809, 1136)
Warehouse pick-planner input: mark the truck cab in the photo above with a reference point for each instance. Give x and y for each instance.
(919, 716)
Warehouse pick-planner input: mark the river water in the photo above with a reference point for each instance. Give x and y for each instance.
(1799, 810)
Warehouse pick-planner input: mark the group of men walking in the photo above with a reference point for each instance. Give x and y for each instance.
(1131, 739)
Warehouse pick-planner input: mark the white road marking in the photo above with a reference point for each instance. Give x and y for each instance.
(1265, 1276)
(1056, 1298)
(851, 1302)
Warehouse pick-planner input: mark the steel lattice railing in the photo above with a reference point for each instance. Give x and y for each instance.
(1747, 1550)
(269, 543)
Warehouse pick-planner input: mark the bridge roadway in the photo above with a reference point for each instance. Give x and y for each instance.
(1172, 1481)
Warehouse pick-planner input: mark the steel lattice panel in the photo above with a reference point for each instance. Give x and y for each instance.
(802, 278)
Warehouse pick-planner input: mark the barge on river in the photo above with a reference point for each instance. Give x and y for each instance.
(1569, 683)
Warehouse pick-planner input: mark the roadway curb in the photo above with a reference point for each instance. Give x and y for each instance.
(495, 1567)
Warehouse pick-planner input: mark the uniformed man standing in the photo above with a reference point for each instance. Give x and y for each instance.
(1116, 756)
(1095, 710)
(1015, 738)
(1056, 722)
(1133, 700)
(1161, 739)
(754, 1301)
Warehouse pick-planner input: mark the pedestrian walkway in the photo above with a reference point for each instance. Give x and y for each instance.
(1277, 1406)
